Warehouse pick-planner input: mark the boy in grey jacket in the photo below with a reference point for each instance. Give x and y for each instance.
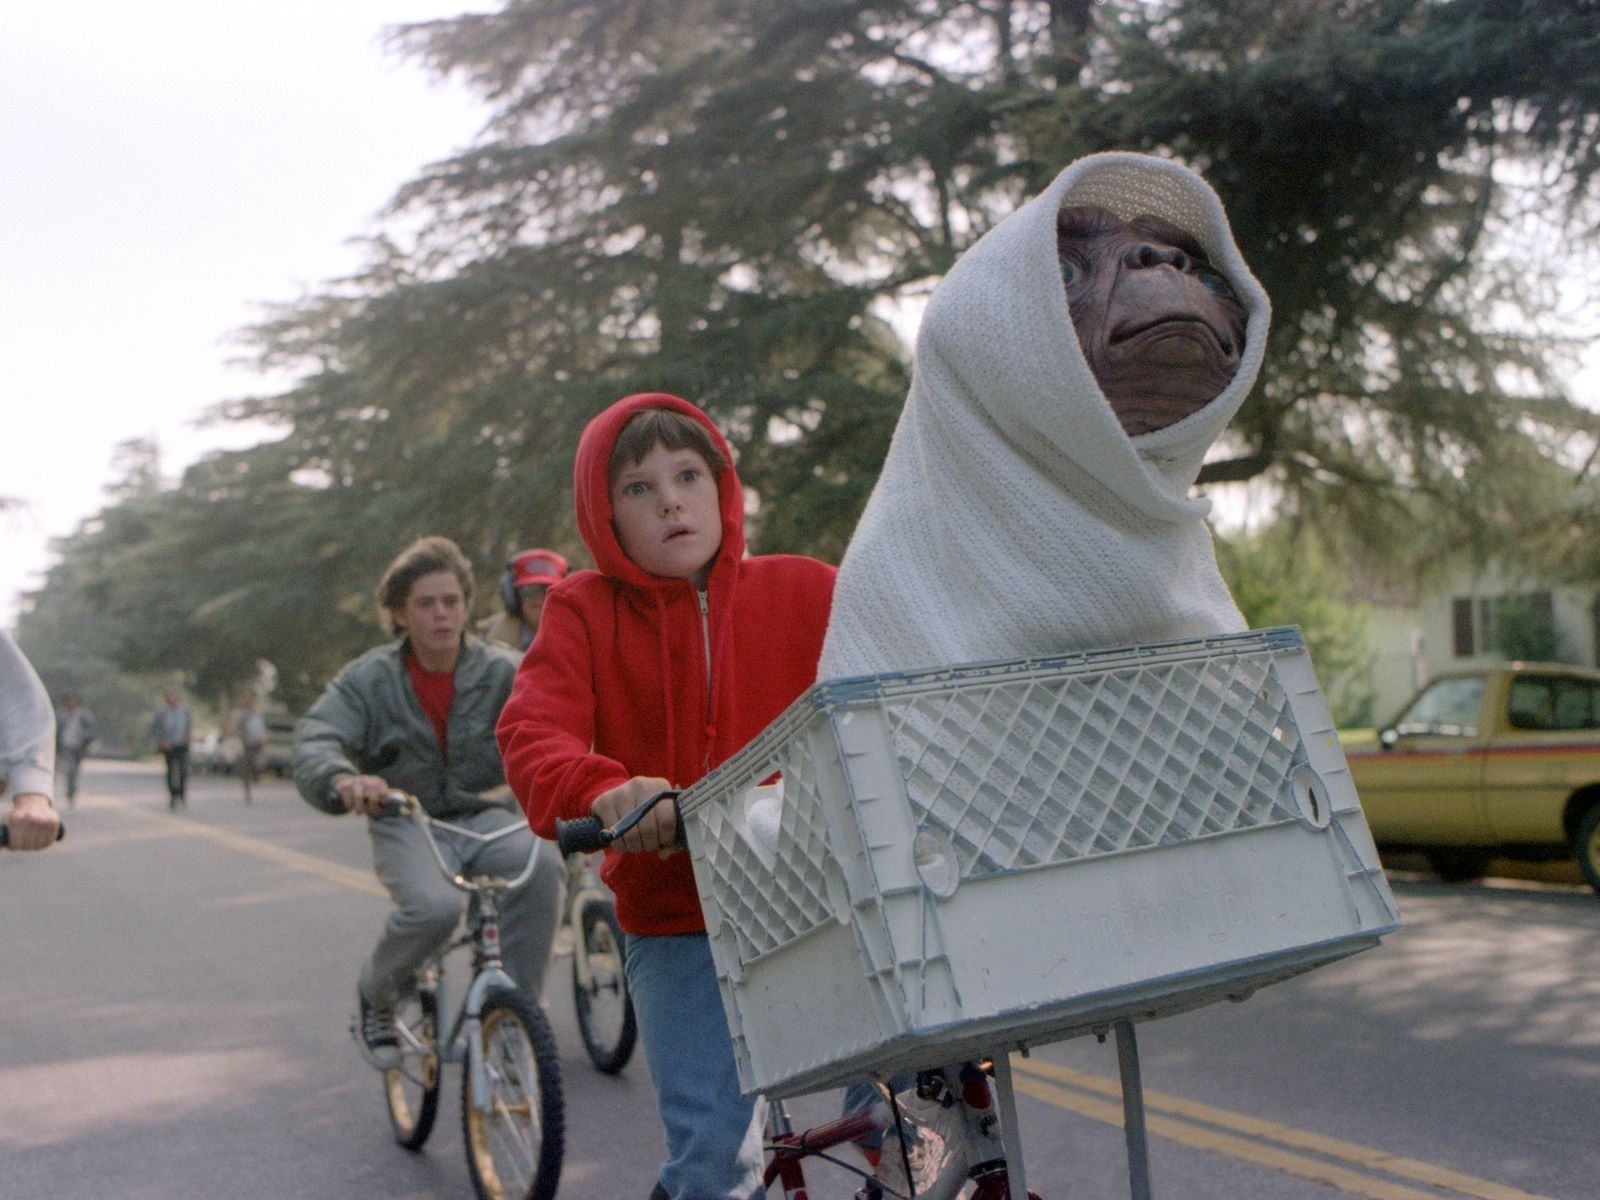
(418, 715)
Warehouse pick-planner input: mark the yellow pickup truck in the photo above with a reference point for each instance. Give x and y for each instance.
(1497, 761)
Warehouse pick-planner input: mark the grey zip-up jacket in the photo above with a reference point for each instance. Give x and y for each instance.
(369, 722)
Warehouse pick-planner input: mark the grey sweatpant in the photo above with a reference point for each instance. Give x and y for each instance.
(427, 907)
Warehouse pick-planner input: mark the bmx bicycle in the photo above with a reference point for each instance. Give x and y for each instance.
(599, 987)
(512, 1111)
(956, 1130)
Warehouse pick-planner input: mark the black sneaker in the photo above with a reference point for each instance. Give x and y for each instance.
(375, 1032)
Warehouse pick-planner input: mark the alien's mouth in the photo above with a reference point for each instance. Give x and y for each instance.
(1174, 326)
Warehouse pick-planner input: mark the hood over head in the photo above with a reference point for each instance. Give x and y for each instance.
(1014, 516)
(592, 493)
(995, 323)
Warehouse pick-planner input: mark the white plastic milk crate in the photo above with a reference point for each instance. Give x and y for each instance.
(972, 859)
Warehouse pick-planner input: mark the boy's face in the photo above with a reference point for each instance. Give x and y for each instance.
(435, 612)
(530, 603)
(667, 514)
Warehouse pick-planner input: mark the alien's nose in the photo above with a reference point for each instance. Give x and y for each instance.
(1144, 255)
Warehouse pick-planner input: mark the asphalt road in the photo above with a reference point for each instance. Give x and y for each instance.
(175, 994)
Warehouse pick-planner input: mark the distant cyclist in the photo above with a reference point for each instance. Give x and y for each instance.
(250, 727)
(418, 714)
(75, 733)
(523, 586)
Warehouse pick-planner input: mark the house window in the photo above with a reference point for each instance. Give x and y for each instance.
(1519, 625)
(1461, 619)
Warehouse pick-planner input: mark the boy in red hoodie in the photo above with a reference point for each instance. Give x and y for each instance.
(646, 673)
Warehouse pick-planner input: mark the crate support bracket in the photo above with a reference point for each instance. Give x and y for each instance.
(1010, 1135)
(1133, 1109)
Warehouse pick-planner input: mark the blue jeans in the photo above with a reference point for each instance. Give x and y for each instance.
(713, 1133)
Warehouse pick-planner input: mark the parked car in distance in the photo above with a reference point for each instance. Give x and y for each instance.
(216, 752)
(1500, 761)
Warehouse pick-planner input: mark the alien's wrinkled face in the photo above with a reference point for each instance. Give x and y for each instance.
(1161, 329)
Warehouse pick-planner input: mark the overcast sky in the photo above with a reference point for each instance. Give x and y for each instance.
(165, 168)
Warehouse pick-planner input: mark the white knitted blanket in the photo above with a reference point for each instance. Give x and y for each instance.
(1013, 515)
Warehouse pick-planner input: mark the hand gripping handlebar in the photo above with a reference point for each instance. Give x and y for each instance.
(583, 835)
(5, 833)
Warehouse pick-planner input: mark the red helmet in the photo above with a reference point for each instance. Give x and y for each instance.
(536, 566)
(529, 568)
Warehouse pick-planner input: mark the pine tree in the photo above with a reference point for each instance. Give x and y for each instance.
(741, 200)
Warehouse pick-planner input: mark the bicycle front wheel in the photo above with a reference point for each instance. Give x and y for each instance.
(605, 1014)
(514, 1147)
(412, 1086)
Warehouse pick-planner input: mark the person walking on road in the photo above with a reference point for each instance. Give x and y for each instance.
(250, 727)
(27, 751)
(170, 732)
(75, 733)
(418, 714)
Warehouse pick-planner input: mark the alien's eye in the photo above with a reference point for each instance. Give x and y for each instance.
(1213, 282)
(1070, 274)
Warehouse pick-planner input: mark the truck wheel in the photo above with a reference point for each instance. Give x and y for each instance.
(1586, 846)
(1458, 866)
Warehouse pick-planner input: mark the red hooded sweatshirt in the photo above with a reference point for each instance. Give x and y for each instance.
(615, 684)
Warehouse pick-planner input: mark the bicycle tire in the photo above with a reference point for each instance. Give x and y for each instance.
(514, 1151)
(603, 1007)
(412, 1088)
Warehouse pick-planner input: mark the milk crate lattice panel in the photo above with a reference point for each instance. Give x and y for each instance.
(1031, 771)
(769, 900)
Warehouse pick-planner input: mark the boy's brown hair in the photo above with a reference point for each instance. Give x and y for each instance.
(423, 557)
(652, 427)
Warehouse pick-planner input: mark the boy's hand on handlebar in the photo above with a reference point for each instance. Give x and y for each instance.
(33, 824)
(659, 828)
(362, 793)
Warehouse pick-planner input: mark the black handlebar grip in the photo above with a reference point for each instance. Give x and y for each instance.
(5, 833)
(581, 835)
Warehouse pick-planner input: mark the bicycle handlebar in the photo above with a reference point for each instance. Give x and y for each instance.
(583, 835)
(395, 804)
(402, 804)
(5, 833)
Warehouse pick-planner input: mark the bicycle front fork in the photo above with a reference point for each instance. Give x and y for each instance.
(488, 974)
(993, 1145)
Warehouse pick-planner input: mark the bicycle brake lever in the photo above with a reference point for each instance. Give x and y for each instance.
(395, 804)
(638, 814)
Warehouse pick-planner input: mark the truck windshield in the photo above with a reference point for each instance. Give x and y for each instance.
(1448, 708)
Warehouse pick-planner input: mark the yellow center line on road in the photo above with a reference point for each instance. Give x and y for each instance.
(1173, 1117)
(294, 860)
